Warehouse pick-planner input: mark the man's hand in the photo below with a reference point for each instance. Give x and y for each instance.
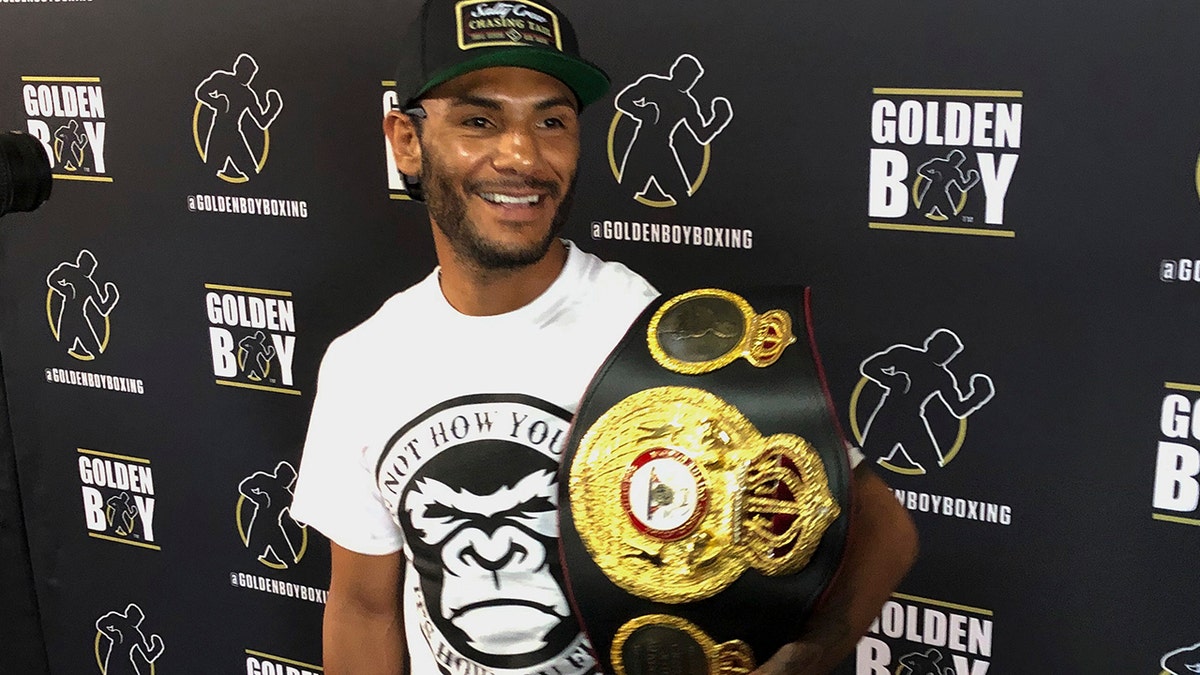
(881, 548)
(791, 659)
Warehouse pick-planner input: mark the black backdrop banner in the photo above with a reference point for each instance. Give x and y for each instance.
(996, 204)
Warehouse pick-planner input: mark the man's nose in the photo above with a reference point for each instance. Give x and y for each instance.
(517, 151)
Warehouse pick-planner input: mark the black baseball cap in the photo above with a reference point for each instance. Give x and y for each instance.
(449, 38)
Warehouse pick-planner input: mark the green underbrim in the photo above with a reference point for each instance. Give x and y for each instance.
(587, 81)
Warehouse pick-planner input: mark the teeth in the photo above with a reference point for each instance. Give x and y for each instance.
(509, 199)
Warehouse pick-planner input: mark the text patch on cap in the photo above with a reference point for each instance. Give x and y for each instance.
(484, 23)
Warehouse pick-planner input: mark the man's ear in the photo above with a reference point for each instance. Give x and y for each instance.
(401, 132)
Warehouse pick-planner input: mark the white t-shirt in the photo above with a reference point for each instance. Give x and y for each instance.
(441, 434)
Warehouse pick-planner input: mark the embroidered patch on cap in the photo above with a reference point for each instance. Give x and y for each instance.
(484, 23)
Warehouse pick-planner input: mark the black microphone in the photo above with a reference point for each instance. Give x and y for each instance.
(25, 179)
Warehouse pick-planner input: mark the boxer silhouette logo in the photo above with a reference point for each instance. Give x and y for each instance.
(69, 145)
(121, 513)
(254, 356)
(929, 663)
(941, 187)
(122, 647)
(1182, 661)
(908, 429)
(231, 122)
(78, 311)
(660, 163)
(264, 517)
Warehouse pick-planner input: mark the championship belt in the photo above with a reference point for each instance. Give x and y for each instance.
(705, 502)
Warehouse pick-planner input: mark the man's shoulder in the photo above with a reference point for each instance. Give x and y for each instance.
(388, 324)
(612, 279)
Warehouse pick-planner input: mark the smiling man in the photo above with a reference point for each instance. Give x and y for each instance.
(432, 454)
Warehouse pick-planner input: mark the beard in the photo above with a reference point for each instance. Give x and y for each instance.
(447, 204)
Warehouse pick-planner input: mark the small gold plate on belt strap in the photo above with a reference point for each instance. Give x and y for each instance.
(703, 330)
(661, 643)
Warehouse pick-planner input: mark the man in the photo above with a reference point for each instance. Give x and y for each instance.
(439, 422)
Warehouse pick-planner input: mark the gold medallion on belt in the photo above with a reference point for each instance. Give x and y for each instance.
(665, 643)
(702, 330)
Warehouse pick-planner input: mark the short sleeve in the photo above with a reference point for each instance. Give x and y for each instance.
(855, 455)
(336, 491)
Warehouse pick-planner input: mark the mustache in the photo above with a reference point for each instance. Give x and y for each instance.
(548, 186)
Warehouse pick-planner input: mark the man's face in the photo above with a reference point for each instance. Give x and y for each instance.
(499, 148)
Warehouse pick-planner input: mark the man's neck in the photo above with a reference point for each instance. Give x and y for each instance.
(477, 292)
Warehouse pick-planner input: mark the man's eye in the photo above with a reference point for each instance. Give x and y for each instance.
(477, 122)
(557, 123)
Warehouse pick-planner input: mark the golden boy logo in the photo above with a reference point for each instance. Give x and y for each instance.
(944, 159)
(252, 334)
(925, 636)
(1177, 466)
(67, 115)
(118, 498)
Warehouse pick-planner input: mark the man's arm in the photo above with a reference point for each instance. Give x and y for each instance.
(364, 628)
(881, 549)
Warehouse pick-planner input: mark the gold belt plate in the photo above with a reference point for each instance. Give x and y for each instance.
(663, 643)
(706, 329)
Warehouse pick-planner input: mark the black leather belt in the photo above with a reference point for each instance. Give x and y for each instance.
(705, 497)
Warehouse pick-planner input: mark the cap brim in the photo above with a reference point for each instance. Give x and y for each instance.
(587, 81)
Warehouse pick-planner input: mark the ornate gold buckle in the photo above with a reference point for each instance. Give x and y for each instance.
(675, 494)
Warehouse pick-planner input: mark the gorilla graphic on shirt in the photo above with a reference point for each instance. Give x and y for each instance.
(480, 520)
